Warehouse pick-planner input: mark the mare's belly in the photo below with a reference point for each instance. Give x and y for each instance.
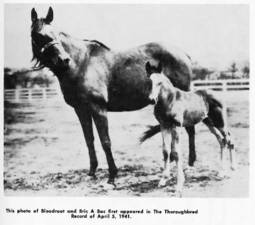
(126, 103)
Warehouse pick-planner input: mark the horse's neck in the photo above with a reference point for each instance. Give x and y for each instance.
(169, 87)
(168, 93)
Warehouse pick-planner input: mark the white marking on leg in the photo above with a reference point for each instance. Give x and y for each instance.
(232, 156)
(176, 135)
(166, 138)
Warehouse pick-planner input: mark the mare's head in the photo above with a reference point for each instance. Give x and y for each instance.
(46, 45)
(159, 81)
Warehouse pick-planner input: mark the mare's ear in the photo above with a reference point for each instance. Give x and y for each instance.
(148, 68)
(33, 15)
(159, 68)
(49, 16)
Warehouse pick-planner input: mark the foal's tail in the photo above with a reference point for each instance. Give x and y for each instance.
(149, 133)
(217, 108)
(210, 99)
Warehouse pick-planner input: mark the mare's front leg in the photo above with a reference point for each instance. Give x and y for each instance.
(85, 117)
(99, 114)
(176, 155)
(166, 143)
(192, 150)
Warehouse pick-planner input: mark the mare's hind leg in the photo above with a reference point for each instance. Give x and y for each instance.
(192, 151)
(85, 118)
(99, 114)
(166, 139)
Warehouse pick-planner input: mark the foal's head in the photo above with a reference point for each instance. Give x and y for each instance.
(46, 45)
(160, 83)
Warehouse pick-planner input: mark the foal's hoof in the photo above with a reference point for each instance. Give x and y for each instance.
(178, 193)
(233, 168)
(223, 174)
(92, 173)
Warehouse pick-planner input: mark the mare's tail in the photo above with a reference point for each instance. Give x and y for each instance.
(149, 133)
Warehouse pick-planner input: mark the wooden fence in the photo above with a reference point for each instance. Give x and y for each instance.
(40, 94)
(31, 94)
(221, 85)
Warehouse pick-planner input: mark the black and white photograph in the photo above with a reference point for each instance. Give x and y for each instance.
(126, 100)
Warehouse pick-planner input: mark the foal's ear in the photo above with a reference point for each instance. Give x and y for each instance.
(49, 16)
(33, 15)
(148, 68)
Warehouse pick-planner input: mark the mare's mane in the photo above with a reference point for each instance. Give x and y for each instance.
(98, 43)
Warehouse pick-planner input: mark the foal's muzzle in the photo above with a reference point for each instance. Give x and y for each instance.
(152, 101)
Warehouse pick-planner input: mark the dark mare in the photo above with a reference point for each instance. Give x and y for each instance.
(94, 79)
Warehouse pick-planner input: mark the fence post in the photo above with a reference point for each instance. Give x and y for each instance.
(224, 86)
(44, 93)
(29, 94)
(16, 95)
(192, 86)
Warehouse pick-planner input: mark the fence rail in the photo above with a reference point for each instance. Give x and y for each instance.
(40, 94)
(30, 94)
(221, 85)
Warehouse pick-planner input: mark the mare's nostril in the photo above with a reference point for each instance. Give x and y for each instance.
(66, 61)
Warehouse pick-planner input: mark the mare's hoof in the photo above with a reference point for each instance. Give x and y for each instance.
(108, 186)
(92, 173)
(162, 182)
(191, 163)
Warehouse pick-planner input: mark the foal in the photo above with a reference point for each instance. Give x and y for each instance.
(174, 109)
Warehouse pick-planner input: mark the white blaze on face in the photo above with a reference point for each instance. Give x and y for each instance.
(157, 79)
(49, 31)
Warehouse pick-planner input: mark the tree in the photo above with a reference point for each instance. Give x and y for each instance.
(246, 71)
(201, 73)
(233, 69)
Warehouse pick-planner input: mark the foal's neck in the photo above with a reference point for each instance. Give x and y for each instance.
(168, 91)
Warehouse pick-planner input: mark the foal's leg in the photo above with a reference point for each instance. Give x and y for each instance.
(166, 138)
(192, 151)
(220, 139)
(99, 115)
(85, 118)
(176, 155)
(230, 145)
(218, 116)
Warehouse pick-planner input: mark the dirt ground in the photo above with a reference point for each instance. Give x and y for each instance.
(45, 154)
